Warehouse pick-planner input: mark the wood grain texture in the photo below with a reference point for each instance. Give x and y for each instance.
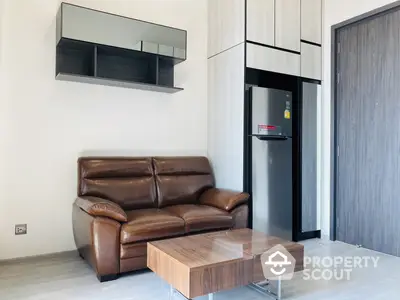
(261, 21)
(311, 21)
(198, 251)
(207, 263)
(227, 276)
(287, 24)
(225, 117)
(368, 120)
(226, 28)
(269, 59)
(311, 61)
(168, 268)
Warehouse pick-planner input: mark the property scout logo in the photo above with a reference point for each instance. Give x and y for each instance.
(279, 264)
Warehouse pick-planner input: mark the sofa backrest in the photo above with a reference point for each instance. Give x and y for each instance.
(128, 181)
(181, 180)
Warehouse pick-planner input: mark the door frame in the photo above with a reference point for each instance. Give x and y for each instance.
(334, 104)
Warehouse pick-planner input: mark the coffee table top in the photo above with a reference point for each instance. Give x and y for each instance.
(219, 247)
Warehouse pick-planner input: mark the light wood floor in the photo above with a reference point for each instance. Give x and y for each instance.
(68, 277)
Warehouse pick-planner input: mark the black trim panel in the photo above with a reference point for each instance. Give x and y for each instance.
(310, 80)
(283, 82)
(307, 235)
(272, 47)
(311, 43)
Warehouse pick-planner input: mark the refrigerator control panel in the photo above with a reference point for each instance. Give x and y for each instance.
(265, 129)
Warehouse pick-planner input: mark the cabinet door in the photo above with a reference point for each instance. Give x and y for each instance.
(225, 25)
(226, 111)
(269, 59)
(261, 22)
(311, 21)
(311, 61)
(287, 24)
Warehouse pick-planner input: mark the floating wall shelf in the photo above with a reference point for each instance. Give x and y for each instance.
(102, 48)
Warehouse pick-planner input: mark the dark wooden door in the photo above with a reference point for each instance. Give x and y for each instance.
(368, 133)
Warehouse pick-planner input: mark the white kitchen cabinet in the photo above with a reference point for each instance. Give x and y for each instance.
(226, 20)
(311, 21)
(261, 21)
(311, 61)
(287, 24)
(273, 60)
(225, 116)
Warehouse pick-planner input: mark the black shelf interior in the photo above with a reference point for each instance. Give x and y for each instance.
(116, 64)
(165, 71)
(75, 57)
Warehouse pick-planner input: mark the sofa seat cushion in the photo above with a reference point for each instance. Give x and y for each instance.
(201, 217)
(149, 224)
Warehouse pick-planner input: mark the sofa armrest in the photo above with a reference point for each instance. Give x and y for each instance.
(100, 207)
(98, 242)
(223, 199)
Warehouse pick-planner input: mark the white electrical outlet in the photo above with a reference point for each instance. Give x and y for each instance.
(21, 229)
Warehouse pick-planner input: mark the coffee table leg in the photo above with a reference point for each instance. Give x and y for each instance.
(279, 289)
(171, 293)
(264, 288)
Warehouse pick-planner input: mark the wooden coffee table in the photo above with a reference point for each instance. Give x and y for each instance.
(204, 264)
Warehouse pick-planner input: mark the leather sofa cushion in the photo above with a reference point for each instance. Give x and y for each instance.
(181, 180)
(149, 224)
(129, 193)
(173, 190)
(114, 167)
(184, 165)
(129, 182)
(201, 217)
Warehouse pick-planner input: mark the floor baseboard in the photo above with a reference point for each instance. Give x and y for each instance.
(50, 256)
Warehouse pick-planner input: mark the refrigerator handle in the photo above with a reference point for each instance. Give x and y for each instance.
(270, 137)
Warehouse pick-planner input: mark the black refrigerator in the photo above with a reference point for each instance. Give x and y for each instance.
(272, 188)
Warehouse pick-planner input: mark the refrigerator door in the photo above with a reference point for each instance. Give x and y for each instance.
(272, 187)
(271, 112)
(272, 194)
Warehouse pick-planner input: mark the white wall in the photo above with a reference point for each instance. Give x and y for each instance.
(335, 11)
(50, 122)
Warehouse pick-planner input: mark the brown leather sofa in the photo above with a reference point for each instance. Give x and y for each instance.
(124, 202)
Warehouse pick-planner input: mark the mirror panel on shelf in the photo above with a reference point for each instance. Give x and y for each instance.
(103, 28)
